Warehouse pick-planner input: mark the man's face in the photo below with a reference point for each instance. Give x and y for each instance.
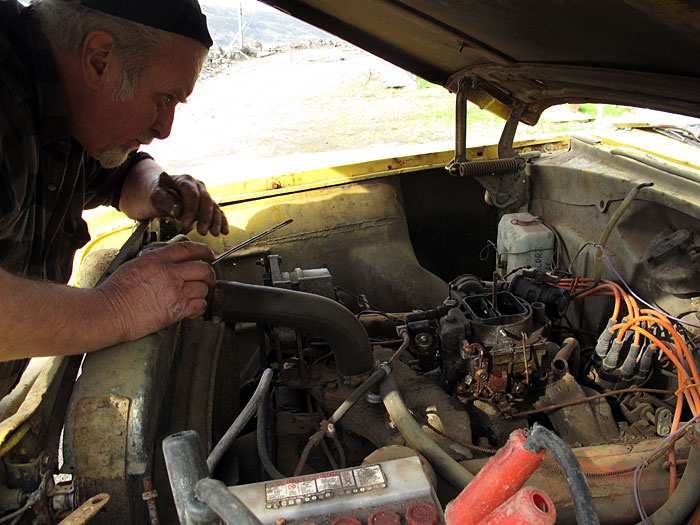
(122, 126)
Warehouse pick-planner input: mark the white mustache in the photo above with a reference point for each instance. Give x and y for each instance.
(146, 137)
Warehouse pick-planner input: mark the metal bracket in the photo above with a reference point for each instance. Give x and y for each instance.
(461, 124)
(505, 143)
(504, 179)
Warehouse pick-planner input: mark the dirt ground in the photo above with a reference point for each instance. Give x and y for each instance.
(327, 106)
(284, 112)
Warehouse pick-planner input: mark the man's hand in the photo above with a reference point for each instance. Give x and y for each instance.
(159, 288)
(187, 198)
(149, 192)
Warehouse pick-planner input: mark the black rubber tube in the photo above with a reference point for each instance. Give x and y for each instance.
(226, 505)
(540, 438)
(686, 497)
(233, 301)
(261, 440)
(451, 470)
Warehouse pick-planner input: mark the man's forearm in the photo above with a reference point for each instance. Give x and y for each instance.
(40, 319)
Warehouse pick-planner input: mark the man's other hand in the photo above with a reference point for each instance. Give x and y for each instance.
(161, 287)
(187, 198)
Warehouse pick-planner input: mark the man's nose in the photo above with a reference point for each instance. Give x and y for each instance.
(164, 123)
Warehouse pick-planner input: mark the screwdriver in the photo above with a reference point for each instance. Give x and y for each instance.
(251, 240)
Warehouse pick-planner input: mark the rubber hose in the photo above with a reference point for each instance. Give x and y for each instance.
(377, 376)
(226, 505)
(261, 439)
(540, 438)
(686, 498)
(319, 315)
(448, 468)
(232, 433)
(598, 263)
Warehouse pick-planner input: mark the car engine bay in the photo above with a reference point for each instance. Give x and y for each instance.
(367, 360)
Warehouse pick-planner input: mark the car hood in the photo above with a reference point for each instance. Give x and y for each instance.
(527, 56)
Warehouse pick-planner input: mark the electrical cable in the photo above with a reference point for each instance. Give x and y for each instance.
(629, 289)
(585, 245)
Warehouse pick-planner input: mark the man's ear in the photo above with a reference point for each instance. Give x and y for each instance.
(98, 61)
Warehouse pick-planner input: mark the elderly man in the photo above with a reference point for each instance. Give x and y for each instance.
(83, 83)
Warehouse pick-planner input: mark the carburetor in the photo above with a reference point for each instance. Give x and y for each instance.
(489, 342)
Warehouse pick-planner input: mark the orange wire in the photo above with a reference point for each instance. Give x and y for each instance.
(683, 374)
(686, 388)
(672, 453)
(632, 308)
(599, 288)
(660, 319)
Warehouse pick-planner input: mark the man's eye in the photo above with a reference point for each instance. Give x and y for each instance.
(165, 101)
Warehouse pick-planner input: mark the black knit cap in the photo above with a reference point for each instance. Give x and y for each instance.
(183, 17)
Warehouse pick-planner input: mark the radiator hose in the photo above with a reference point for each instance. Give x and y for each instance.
(325, 318)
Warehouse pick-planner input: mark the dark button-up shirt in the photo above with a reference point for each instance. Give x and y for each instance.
(46, 177)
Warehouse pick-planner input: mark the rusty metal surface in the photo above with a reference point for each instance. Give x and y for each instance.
(583, 424)
(101, 426)
(149, 496)
(111, 423)
(86, 511)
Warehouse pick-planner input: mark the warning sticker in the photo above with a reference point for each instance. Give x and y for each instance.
(348, 479)
(309, 489)
(368, 476)
(329, 483)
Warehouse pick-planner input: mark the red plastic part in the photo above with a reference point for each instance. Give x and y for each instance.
(501, 477)
(384, 517)
(528, 506)
(346, 520)
(423, 513)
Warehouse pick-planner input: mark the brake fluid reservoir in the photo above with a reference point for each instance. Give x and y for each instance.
(523, 241)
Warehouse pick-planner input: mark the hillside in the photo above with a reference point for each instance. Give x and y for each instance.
(263, 25)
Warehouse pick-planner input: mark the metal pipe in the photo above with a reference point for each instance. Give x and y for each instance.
(233, 301)
(448, 468)
(232, 433)
(461, 122)
(227, 506)
(185, 464)
(569, 349)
